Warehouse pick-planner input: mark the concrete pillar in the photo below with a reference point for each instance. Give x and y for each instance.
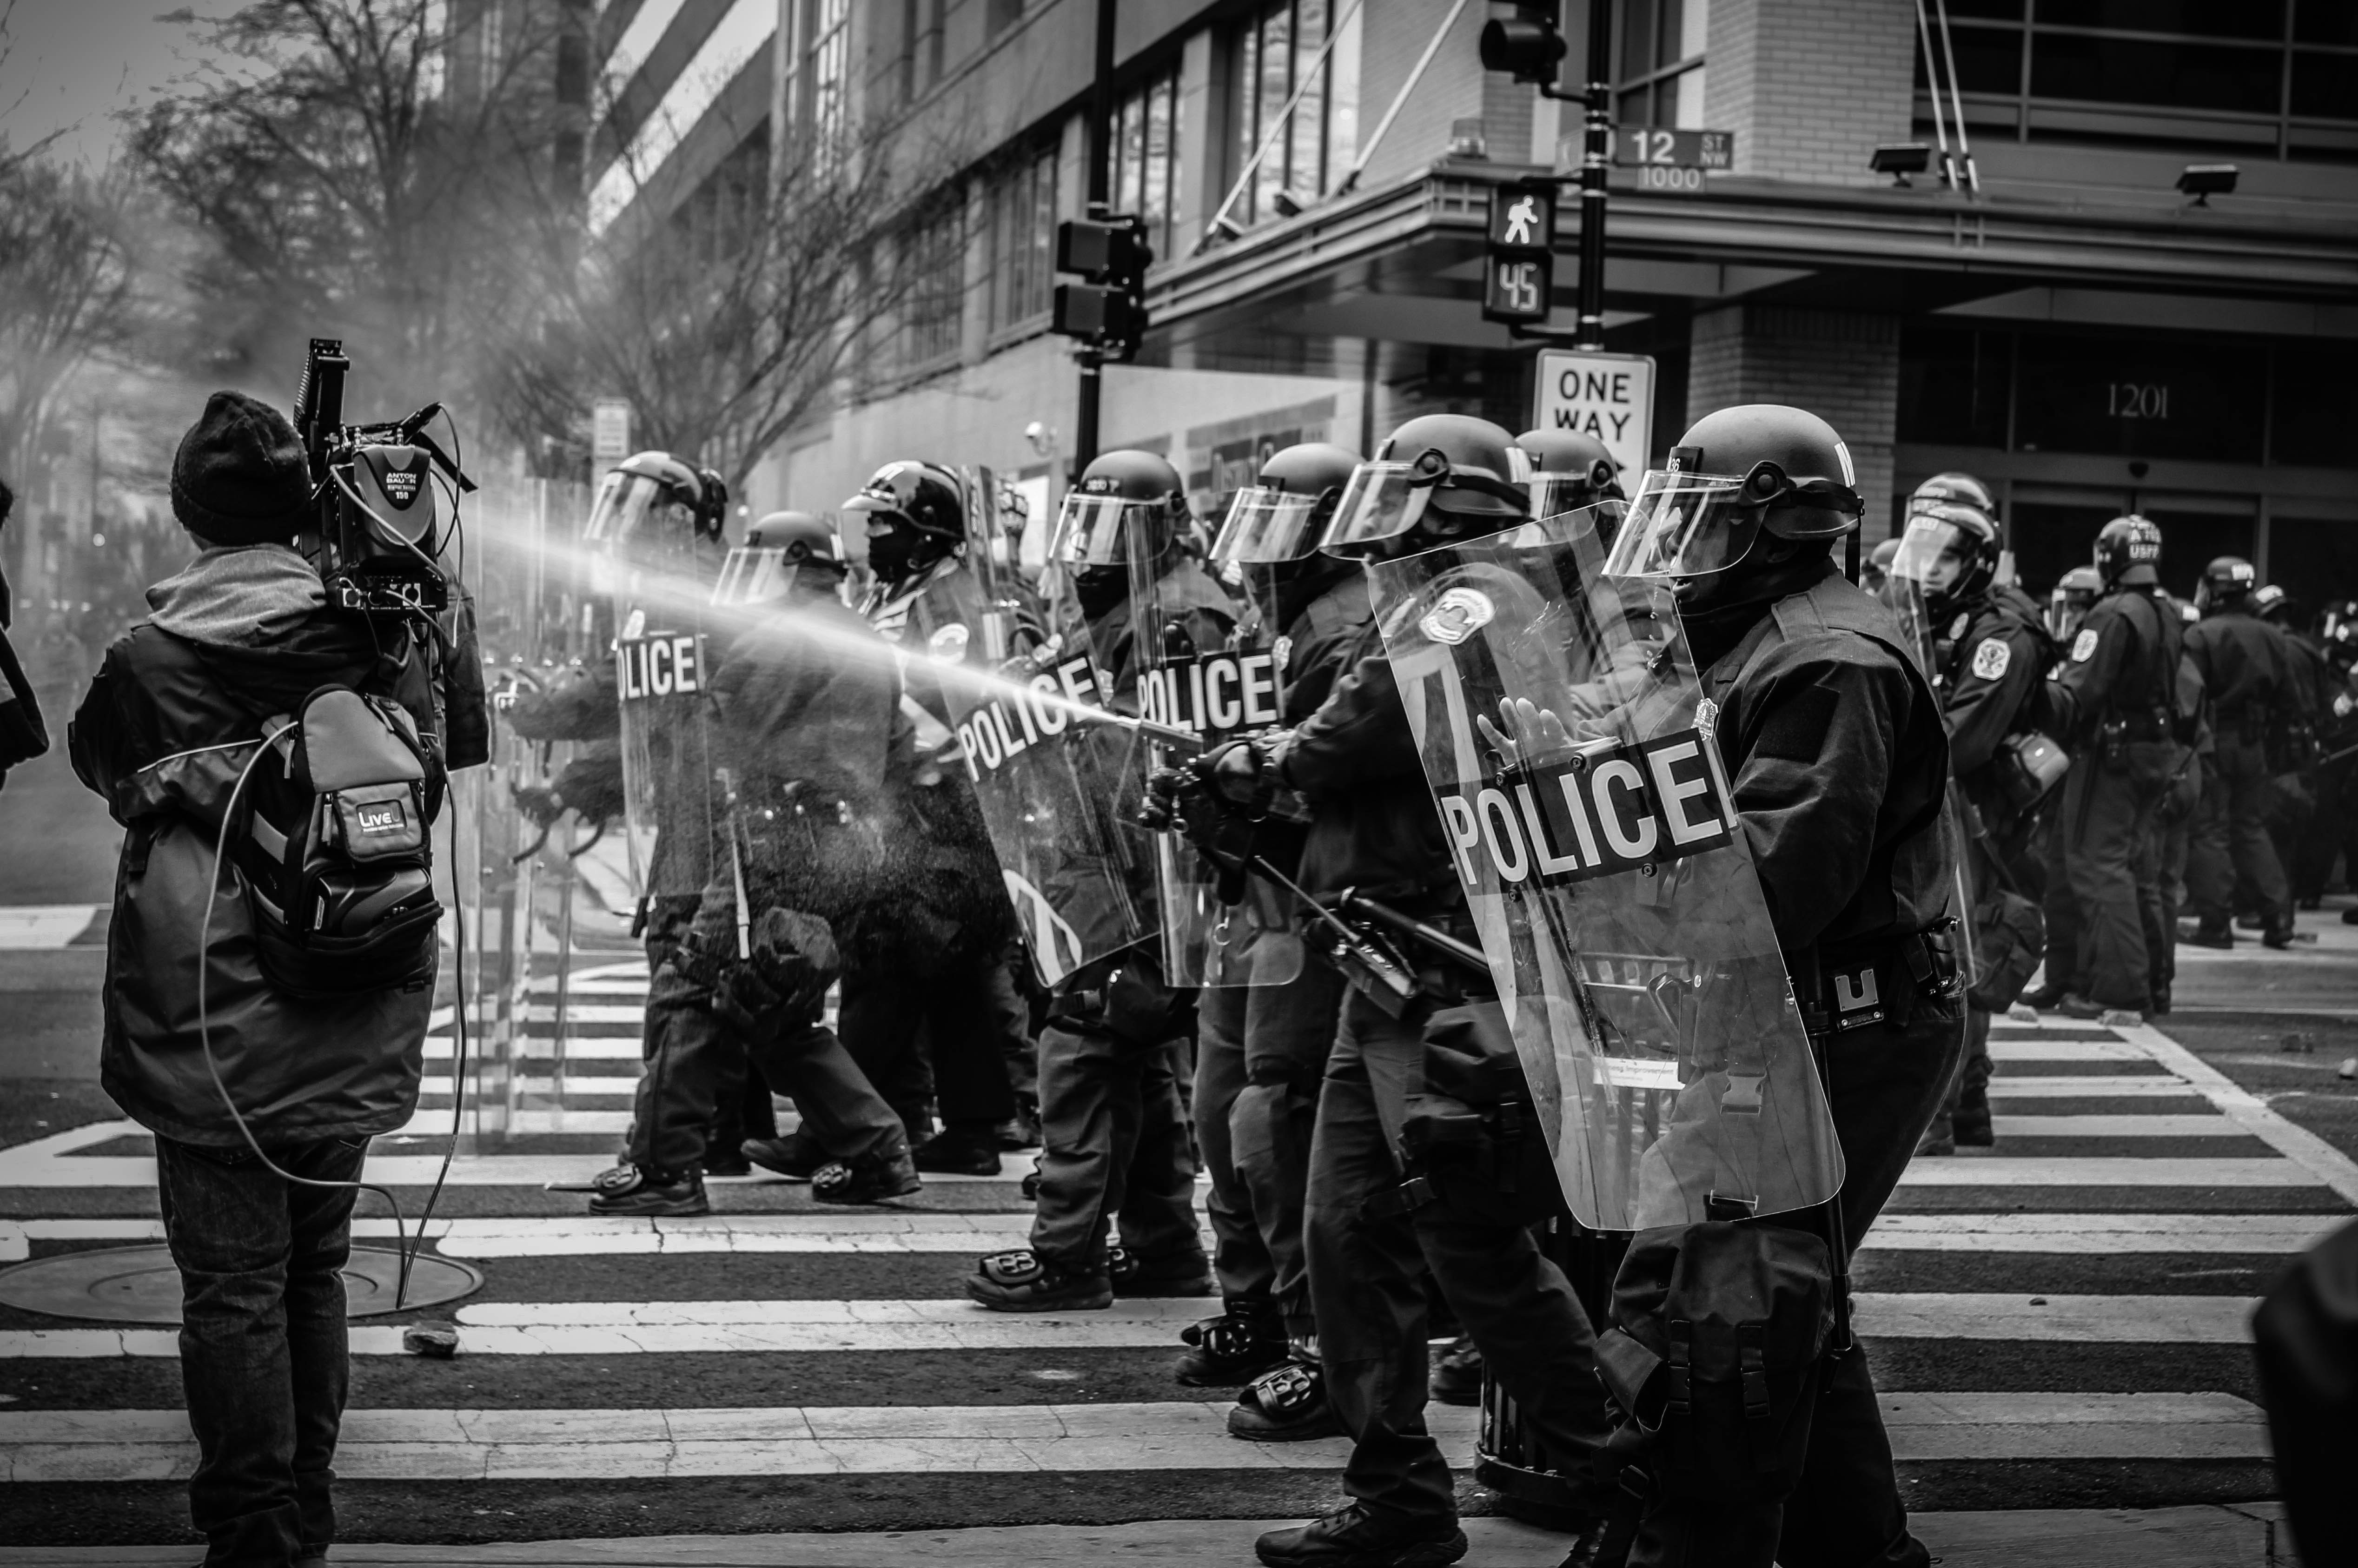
(1842, 365)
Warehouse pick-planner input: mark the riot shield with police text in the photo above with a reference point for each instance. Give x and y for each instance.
(1052, 774)
(1908, 591)
(1572, 756)
(1207, 668)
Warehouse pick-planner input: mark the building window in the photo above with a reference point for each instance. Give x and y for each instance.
(1662, 75)
(1145, 131)
(920, 65)
(719, 218)
(1272, 56)
(818, 101)
(1024, 240)
(2271, 78)
(933, 257)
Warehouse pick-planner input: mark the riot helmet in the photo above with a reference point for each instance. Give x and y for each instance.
(2339, 623)
(1950, 551)
(1279, 517)
(2128, 553)
(1955, 487)
(1760, 467)
(915, 516)
(1439, 476)
(783, 552)
(651, 513)
(2227, 582)
(2076, 592)
(1570, 472)
(1130, 506)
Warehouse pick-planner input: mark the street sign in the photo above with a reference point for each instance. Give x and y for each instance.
(609, 429)
(1515, 288)
(1523, 219)
(1649, 147)
(1609, 397)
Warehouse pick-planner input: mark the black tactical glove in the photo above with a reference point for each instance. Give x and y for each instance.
(592, 786)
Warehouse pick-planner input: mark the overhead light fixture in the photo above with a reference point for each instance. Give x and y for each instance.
(2204, 181)
(1218, 232)
(1287, 204)
(1900, 159)
(1469, 139)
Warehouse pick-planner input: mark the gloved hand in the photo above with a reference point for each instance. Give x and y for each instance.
(592, 786)
(1233, 771)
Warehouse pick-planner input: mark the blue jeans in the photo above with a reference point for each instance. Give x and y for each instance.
(263, 1345)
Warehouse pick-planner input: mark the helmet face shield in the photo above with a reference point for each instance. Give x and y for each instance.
(628, 506)
(1383, 501)
(1553, 495)
(1928, 554)
(1093, 530)
(1266, 527)
(1686, 525)
(753, 575)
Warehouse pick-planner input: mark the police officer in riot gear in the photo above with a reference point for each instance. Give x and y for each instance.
(1260, 1050)
(1839, 761)
(1374, 828)
(2258, 689)
(966, 1015)
(2114, 705)
(1990, 658)
(1114, 1137)
(806, 730)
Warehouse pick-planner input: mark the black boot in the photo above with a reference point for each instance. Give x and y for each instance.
(1247, 1339)
(647, 1191)
(960, 1151)
(1456, 1378)
(1354, 1537)
(1289, 1405)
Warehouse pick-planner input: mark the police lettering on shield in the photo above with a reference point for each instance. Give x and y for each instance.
(1606, 810)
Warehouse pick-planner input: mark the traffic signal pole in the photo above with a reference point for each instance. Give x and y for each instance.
(1100, 205)
(1597, 149)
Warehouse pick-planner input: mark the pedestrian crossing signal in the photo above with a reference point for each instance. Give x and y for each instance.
(1107, 311)
(1517, 264)
(1516, 289)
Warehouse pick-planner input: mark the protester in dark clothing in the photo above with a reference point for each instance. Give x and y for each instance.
(177, 713)
(23, 735)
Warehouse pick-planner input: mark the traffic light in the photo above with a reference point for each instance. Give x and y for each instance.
(1527, 47)
(1519, 261)
(1108, 311)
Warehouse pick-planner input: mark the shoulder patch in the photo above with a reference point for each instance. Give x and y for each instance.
(2083, 646)
(1991, 658)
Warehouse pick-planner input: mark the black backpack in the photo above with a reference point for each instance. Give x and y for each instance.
(334, 850)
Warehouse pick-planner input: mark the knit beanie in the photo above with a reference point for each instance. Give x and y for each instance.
(239, 477)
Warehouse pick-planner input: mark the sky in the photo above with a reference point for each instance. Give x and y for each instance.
(71, 65)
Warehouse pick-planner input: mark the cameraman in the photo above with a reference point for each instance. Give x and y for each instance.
(178, 709)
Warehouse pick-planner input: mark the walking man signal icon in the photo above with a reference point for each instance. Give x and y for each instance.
(1521, 219)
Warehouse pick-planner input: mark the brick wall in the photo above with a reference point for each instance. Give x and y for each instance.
(1809, 87)
(1842, 366)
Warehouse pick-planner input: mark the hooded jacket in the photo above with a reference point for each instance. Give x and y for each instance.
(176, 713)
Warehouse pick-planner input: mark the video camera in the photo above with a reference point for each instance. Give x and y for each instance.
(380, 529)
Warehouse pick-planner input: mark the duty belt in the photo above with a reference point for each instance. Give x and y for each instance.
(1858, 985)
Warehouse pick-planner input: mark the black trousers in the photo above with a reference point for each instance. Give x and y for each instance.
(956, 1022)
(1367, 1273)
(1884, 1082)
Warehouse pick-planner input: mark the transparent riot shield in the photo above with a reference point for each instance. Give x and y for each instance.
(1906, 590)
(1206, 664)
(1057, 783)
(1571, 758)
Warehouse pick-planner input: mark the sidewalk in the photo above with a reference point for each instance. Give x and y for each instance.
(2248, 1535)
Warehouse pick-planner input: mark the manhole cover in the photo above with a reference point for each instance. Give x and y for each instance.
(139, 1284)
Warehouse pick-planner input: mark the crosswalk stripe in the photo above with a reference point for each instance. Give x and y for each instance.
(2097, 1170)
(899, 1234)
(2211, 1126)
(2065, 1050)
(2162, 1233)
(518, 1444)
(2328, 1165)
(48, 1171)
(654, 1328)
(2061, 1085)
(540, 1048)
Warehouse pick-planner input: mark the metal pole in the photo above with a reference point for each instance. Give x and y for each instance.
(1415, 75)
(1276, 128)
(1100, 154)
(1595, 152)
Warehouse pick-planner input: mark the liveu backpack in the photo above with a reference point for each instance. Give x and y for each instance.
(334, 850)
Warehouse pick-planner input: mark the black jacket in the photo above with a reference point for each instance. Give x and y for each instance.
(167, 726)
(1836, 751)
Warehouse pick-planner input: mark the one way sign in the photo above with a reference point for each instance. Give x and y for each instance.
(1609, 397)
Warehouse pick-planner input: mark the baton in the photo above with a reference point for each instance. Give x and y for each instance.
(1377, 965)
(1352, 902)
